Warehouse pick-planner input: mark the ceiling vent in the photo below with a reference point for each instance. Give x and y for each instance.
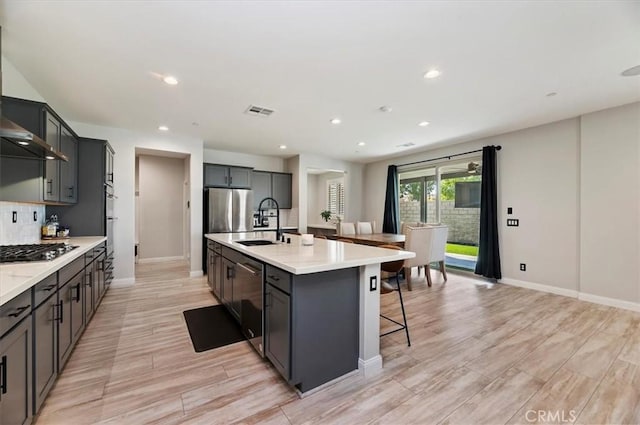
(258, 111)
(406, 145)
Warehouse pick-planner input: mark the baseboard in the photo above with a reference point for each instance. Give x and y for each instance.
(196, 273)
(611, 302)
(370, 366)
(540, 287)
(123, 283)
(160, 259)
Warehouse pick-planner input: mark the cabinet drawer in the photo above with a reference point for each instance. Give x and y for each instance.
(14, 311)
(44, 289)
(70, 270)
(279, 278)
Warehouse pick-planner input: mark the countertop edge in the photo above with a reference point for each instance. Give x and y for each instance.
(85, 243)
(254, 252)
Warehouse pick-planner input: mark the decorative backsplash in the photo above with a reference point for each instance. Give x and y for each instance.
(25, 230)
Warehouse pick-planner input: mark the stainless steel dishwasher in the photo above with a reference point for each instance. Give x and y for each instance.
(249, 278)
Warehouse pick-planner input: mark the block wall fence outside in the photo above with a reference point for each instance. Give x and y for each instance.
(464, 223)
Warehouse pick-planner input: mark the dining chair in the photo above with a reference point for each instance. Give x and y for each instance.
(429, 244)
(364, 227)
(347, 229)
(394, 267)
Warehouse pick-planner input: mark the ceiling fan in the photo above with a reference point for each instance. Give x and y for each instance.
(474, 168)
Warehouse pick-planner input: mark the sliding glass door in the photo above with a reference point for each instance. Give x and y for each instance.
(447, 194)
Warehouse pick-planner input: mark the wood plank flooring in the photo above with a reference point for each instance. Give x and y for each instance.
(481, 353)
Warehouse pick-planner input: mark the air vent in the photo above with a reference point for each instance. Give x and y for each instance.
(406, 145)
(258, 111)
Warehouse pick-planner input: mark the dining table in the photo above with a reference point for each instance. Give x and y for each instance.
(374, 239)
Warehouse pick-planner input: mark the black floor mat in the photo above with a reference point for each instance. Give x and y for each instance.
(212, 327)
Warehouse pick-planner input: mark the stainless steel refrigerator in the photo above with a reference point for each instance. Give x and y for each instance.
(228, 210)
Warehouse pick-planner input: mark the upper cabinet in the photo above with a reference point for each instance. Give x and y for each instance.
(225, 176)
(267, 184)
(49, 181)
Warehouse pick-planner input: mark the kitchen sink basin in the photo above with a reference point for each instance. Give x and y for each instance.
(255, 242)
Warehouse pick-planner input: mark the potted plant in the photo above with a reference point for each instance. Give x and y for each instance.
(326, 215)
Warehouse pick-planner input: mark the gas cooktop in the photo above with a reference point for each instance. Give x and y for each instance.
(33, 252)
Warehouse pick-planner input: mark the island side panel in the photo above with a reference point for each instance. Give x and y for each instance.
(325, 321)
(370, 360)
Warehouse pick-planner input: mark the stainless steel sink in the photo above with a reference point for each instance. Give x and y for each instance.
(254, 242)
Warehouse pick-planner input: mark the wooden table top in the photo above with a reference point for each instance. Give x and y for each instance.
(374, 239)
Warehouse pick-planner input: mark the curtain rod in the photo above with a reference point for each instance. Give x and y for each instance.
(445, 157)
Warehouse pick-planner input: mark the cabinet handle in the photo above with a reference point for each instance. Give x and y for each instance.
(267, 300)
(274, 277)
(3, 378)
(90, 283)
(77, 297)
(48, 288)
(61, 312)
(230, 179)
(230, 272)
(71, 192)
(19, 310)
(50, 185)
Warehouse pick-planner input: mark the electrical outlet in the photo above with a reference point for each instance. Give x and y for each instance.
(523, 267)
(513, 222)
(14, 217)
(35, 216)
(373, 283)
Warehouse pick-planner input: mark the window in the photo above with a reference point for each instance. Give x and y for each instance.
(335, 197)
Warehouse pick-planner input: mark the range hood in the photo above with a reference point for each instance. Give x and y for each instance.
(20, 143)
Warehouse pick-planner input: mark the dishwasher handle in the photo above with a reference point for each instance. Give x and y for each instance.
(250, 269)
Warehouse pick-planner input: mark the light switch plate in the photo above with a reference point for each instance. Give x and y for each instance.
(373, 283)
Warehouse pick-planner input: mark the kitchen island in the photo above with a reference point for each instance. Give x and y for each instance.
(322, 302)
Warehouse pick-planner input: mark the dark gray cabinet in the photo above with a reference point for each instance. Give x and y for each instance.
(216, 175)
(15, 361)
(214, 268)
(30, 180)
(45, 336)
(230, 297)
(269, 184)
(311, 325)
(68, 170)
(277, 329)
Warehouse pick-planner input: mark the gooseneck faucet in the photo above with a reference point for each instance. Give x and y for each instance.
(278, 230)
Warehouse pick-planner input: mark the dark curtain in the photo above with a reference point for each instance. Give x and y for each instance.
(488, 264)
(391, 221)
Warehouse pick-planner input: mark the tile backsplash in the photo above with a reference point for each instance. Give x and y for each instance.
(25, 230)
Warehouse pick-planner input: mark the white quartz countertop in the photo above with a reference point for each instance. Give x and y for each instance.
(323, 255)
(16, 278)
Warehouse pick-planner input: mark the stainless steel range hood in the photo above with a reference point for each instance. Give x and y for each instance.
(20, 143)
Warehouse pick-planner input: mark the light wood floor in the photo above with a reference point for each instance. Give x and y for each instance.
(480, 354)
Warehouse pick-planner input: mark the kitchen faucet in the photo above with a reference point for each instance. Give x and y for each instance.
(278, 230)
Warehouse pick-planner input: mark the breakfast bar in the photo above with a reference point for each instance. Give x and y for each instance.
(331, 290)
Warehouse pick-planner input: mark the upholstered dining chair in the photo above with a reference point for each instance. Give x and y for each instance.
(429, 244)
(365, 227)
(347, 229)
(394, 267)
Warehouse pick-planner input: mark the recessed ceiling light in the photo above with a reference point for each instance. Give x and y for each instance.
(49, 157)
(361, 143)
(423, 123)
(170, 79)
(432, 73)
(631, 72)
(195, 124)
(385, 108)
(282, 146)
(336, 121)
(551, 94)
(23, 143)
(163, 128)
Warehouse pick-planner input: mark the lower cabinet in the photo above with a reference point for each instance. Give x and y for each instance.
(230, 297)
(45, 336)
(277, 329)
(15, 364)
(214, 267)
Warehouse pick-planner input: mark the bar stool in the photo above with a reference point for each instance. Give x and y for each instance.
(395, 267)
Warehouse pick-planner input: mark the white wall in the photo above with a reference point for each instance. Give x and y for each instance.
(564, 180)
(317, 198)
(259, 162)
(15, 85)
(124, 143)
(160, 203)
(609, 203)
(353, 185)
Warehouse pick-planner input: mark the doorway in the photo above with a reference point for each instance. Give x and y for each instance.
(162, 222)
(448, 194)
